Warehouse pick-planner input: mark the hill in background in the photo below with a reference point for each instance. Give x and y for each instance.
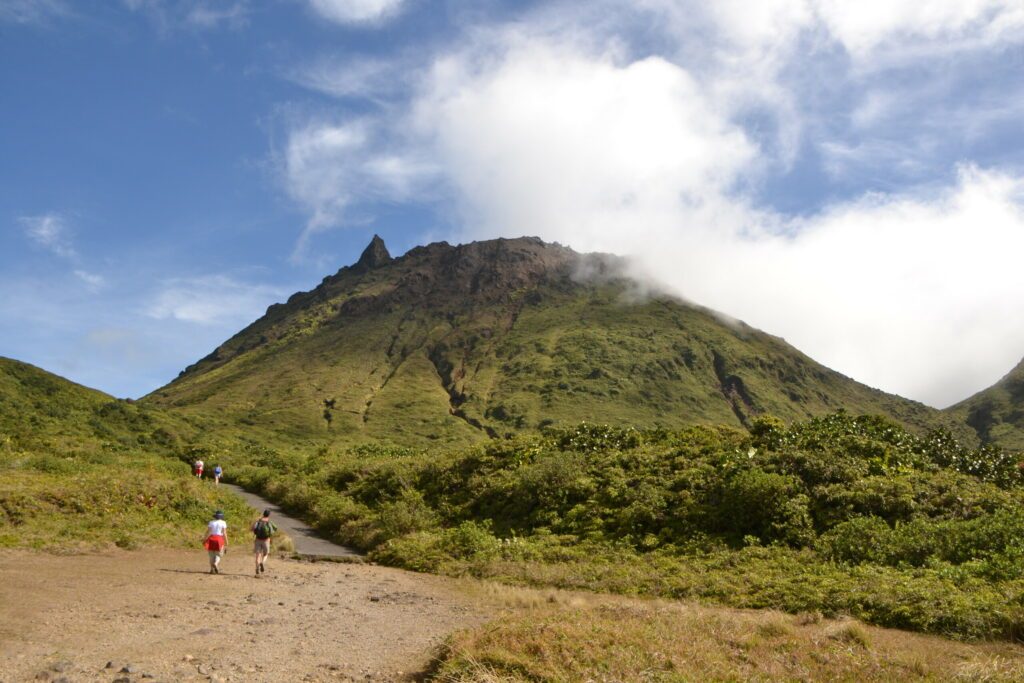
(997, 413)
(455, 344)
(79, 468)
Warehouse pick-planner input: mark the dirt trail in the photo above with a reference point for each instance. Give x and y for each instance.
(161, 615)
(306, 540)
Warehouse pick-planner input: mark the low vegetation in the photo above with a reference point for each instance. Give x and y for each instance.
(841, 515)
(94, 499)
(81, 470)
(633, 640)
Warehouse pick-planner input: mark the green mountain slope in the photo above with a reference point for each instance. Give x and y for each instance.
(997, 413)
(34, 402)
(43, 411)
(460, 343)
(79, 468)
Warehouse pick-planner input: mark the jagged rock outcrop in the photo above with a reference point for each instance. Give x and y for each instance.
(374, 256)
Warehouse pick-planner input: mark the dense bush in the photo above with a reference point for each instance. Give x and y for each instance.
(837, 514)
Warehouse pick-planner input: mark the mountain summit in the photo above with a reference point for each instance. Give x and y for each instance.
(374, 256)
(468, 342)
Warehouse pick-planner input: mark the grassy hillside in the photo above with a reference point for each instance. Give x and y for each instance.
(840, 515)
(997, 413)
(79, 469)
(454, 345)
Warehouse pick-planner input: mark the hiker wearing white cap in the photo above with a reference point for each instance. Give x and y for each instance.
(216, 540)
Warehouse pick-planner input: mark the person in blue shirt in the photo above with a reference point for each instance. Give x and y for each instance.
(217, 474)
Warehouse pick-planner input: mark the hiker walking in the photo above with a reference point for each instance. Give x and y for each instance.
(262, 530)
(216, 540)
(217, 474)
(197, 468)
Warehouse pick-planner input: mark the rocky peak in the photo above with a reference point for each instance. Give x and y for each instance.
(374, 256)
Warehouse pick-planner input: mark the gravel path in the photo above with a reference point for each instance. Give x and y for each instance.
(307, 542)
(160, 617)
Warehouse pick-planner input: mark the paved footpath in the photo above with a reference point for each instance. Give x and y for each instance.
(307, 542)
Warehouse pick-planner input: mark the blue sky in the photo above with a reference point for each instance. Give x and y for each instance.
(847, 175)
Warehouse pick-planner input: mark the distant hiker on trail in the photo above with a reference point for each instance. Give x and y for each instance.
(197, 469)
(263, 529)
(216, 540)
(217, 474)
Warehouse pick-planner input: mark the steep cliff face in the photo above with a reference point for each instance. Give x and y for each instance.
(457, 343)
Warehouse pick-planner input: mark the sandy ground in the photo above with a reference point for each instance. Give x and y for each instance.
(158, 615)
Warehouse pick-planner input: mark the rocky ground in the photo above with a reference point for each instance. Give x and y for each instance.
(158, 615)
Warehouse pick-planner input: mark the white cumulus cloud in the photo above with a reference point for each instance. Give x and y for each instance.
(866, 26)
(911, 292)
(551, 140)
(562, 125)
(914, 293)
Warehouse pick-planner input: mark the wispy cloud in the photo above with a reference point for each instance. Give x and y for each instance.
(372, 79)
(211, 300)
(193, 14)
(364, 12)
(33, 11)
(136, 337)
(50, 231)
(212, 15)
(330, 167)
(93, 281)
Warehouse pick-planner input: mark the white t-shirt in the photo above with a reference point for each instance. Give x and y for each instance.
(217, 527)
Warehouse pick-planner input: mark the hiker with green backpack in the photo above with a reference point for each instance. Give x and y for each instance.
(262, 530)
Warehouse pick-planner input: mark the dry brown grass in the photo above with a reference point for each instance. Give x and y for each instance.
(549, 635)
(283, 544)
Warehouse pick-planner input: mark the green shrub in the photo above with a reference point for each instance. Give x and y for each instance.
(772, 507)
(407, 515)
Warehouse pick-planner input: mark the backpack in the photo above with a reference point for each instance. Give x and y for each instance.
(263, 530)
